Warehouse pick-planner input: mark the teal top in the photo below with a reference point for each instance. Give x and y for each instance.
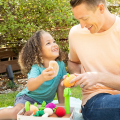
(46, 91)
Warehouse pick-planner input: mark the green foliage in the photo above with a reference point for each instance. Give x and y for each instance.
(23, 17)
(75, 92)
(114, 6)
(10, 85)
(7, 99)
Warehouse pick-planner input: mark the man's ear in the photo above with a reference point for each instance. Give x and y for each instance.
(101, 8)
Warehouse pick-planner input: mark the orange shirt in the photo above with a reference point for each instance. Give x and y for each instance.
(99, 52)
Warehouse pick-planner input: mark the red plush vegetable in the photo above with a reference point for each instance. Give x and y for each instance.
(60, 111)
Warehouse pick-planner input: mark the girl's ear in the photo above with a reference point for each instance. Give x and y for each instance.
(101, 8)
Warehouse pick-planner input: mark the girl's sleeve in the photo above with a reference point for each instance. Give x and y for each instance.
(63, 69)
(34, 72)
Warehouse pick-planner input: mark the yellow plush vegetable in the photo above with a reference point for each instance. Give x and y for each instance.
(66, 81)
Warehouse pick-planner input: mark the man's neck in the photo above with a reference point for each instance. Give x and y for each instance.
(109, 21)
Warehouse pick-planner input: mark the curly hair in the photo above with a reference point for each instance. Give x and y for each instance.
(31, 53)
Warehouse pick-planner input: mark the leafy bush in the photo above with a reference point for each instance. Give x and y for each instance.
(23, 17)
(114, 6)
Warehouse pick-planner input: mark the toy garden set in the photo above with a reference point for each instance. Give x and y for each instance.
(50, 110)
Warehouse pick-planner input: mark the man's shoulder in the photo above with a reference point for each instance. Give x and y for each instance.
(116, 26)
(118, 22)
(75, 28)
(78, 30)
(118, 18)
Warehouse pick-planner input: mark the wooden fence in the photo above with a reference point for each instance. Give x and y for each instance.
(8, 57)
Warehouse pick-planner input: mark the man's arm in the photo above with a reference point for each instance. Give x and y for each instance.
(74, 67)
(88, 79)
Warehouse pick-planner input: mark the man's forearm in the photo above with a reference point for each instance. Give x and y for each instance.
(74, 67)
(110, 80)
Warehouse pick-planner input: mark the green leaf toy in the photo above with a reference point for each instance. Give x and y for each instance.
(42, 106)
(67, 93)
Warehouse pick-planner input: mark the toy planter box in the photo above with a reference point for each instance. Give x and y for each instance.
(21, 116)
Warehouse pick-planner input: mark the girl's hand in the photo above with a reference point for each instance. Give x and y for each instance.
(63, 78)
(48, 74)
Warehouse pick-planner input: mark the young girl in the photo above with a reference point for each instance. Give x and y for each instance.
(42, 84)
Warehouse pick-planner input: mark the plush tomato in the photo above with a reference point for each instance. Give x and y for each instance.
(60, 111)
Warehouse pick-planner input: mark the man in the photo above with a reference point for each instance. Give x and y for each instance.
(94, 56)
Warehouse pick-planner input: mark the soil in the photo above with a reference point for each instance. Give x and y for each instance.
(6, 85)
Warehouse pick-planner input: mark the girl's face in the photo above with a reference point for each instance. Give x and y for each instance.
(50, 50)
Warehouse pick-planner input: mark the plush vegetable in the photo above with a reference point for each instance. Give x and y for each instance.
(42, 106)
(66, 81)
(39, 113)
(50, 105)
(29, 107)
(67, 93)
(34, 109)
(47, 111)
(35, 104)
(60, 111)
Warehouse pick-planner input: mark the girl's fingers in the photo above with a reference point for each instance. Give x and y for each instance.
(64, 76)
(49, 69)
(51, 73)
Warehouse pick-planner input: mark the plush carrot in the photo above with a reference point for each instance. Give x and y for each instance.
(66, 81)
(30, 107)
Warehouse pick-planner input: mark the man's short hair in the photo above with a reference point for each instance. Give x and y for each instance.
(92, 3)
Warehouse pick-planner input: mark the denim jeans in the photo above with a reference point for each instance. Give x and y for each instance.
(102, 106)
(22, 99)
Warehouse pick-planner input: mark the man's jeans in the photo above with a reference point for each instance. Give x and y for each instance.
(102, 106)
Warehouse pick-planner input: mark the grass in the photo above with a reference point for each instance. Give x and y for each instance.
(8, 99)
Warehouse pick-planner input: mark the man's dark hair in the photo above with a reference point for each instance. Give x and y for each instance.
(91, 3)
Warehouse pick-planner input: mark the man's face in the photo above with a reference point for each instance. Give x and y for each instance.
(92, 20)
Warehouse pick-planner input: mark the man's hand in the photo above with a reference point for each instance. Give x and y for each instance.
(86, 80)
(64, 77)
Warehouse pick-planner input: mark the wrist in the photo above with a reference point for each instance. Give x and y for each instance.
(100, 77)
(42, 78)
